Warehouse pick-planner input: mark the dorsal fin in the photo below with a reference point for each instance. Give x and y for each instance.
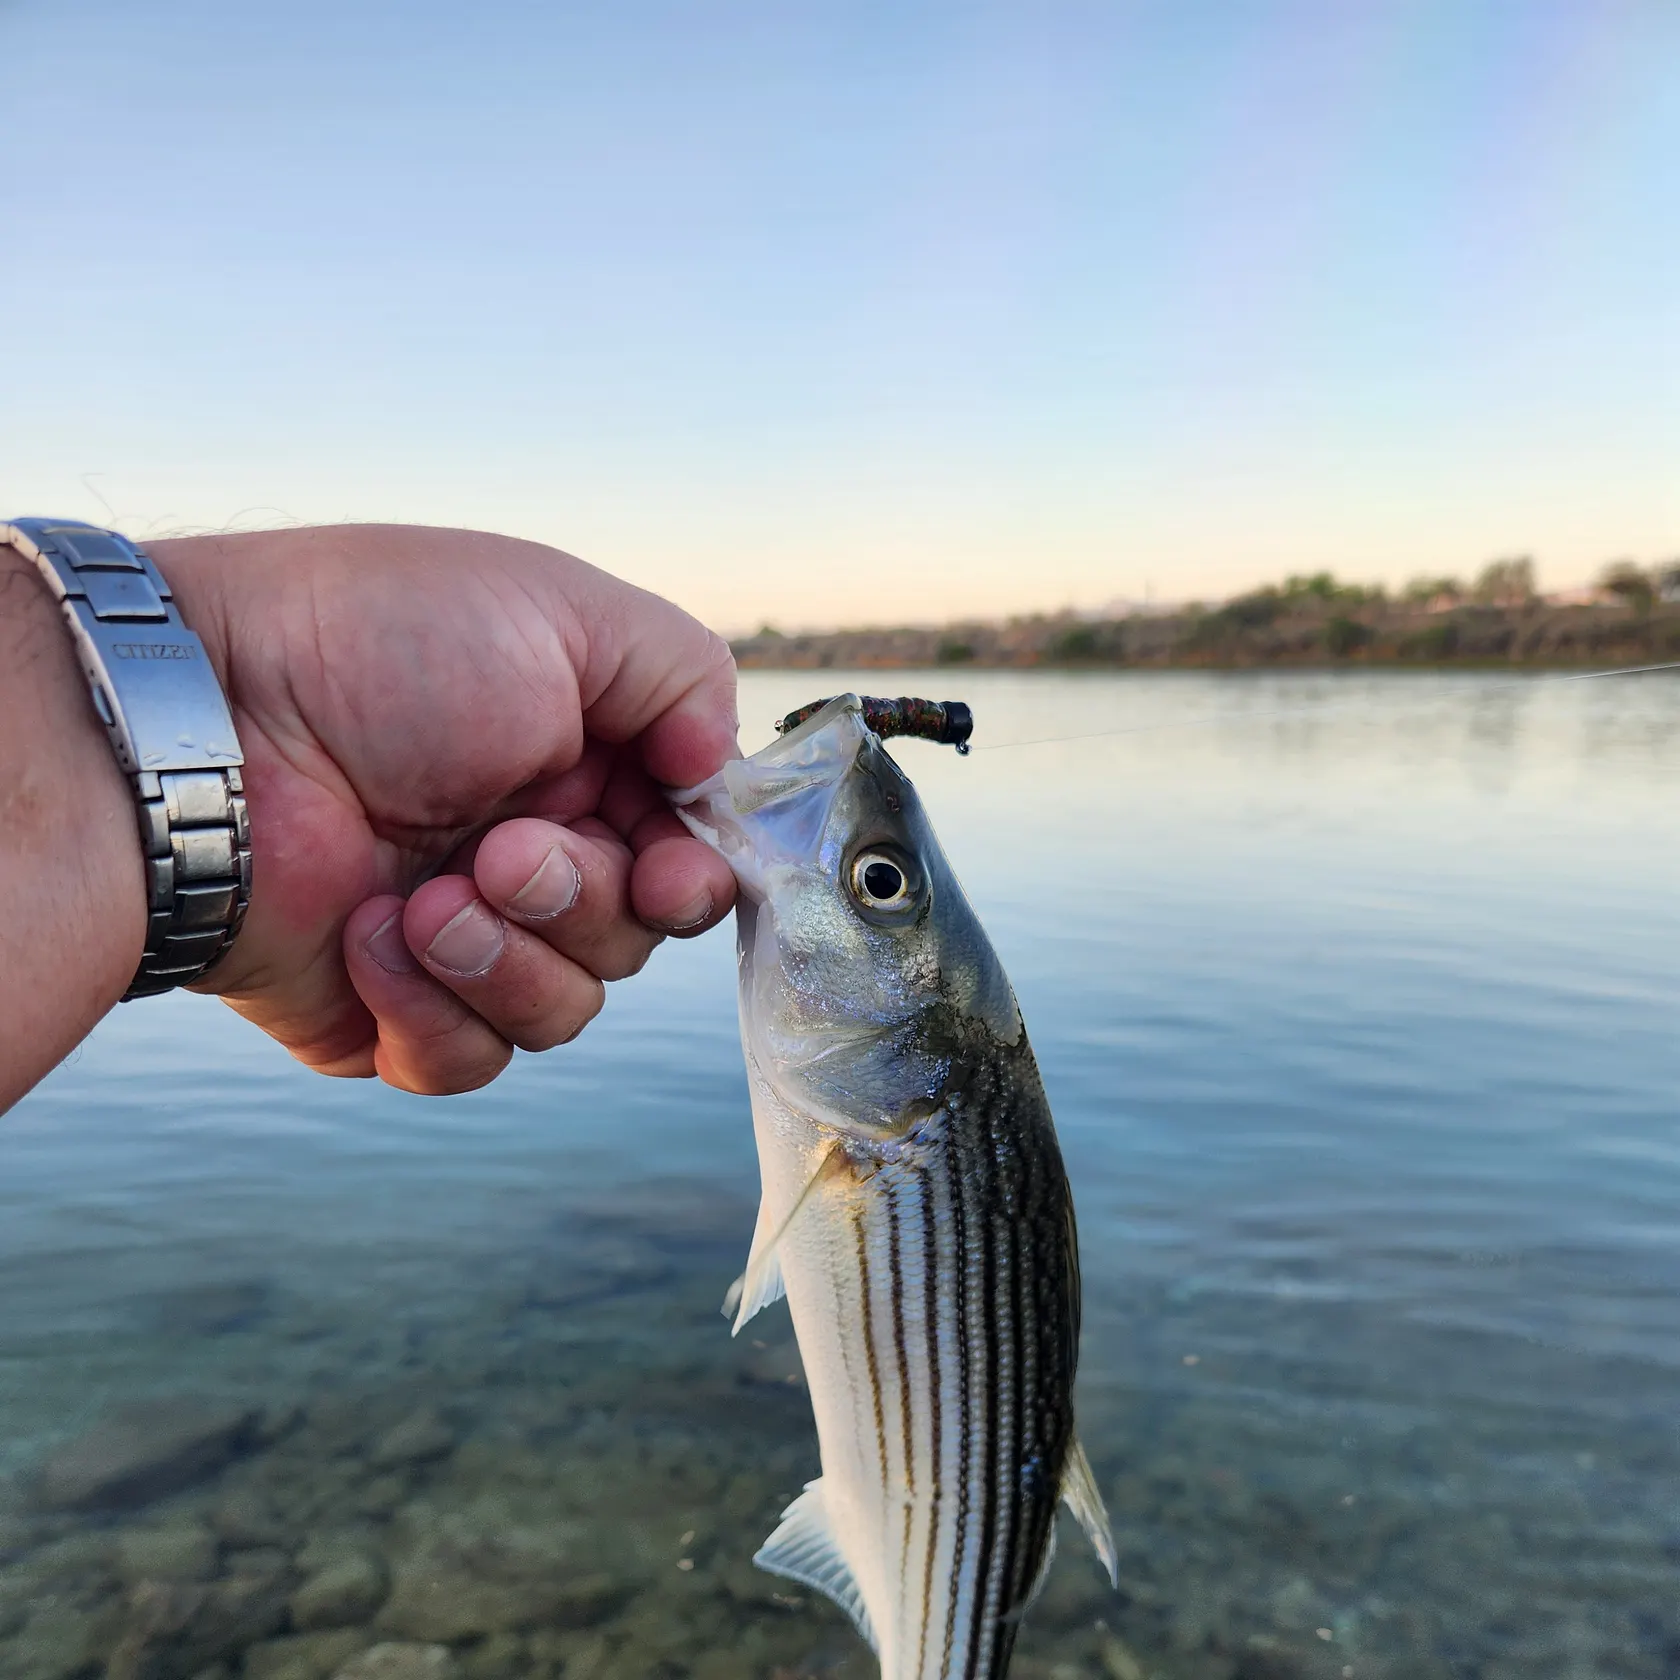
(804, 1549)
(761, 1283)
(1079, 1489)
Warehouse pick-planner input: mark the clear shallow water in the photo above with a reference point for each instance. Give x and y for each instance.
(1356, 999)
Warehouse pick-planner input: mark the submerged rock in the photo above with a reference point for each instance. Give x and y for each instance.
(141, 1453)
(466, 1574)
(381, 1496)
(260, 1560)
(278, 1419)
(502, 1656)
(247, 1518)
(211, 1309)
(56, 1641)
(348, 1589)
(775, 1364)
(305, 1656)
(175, 1629)
(1119, 1661)
(396, 1661)
(418, 1439)
(16, 1537)
(179, 1552)
(586, 1271)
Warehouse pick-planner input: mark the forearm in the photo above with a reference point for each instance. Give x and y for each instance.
(72, 889)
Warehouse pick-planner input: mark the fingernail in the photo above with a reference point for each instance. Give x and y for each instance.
(691, 915)
(469, 942)
(388, 948)
(552, 889)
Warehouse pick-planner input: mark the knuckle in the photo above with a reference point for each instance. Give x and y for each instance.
(634, 959)
(447, 1082)
(579, 1004)
(357, 1067)
(588, 1006)
(474, 1069)
(446, 1054)
(720, 657)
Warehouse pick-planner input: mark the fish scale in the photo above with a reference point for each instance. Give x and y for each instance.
(915, 1208)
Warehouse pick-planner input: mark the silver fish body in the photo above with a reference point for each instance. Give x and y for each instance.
(915, 1208)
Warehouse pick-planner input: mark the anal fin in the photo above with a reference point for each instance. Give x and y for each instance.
(804, 1549)
(1079, 1490)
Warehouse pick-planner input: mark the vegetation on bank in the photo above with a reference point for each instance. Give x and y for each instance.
(1631, 616)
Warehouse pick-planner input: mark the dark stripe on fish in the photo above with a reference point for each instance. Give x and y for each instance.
(907, 1441)
(867, 1293)
(906, 1420)
(936, 1409)
(959, 1557)
(981, 1177)
(1025, 1276)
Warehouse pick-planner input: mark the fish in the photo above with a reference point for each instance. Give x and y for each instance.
(915, 1209)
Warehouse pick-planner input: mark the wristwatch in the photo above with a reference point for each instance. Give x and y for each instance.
(157, 695)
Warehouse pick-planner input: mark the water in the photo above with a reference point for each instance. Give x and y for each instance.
(1356, 1000)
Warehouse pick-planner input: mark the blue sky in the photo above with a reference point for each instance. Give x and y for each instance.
(840, 314)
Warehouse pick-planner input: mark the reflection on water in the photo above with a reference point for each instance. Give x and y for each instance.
(1356, 1000)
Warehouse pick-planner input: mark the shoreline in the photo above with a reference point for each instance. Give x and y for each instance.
(1533, 636)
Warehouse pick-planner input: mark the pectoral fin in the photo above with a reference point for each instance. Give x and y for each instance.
(1079, 1490)
(804, 1549)
(766, 1273)
(761, 1283)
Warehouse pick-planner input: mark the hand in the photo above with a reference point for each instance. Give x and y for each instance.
(455, 745)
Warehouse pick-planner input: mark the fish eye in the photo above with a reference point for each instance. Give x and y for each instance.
(881, 881)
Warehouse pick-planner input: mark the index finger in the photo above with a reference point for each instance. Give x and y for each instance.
(654, 676)
(678, 885)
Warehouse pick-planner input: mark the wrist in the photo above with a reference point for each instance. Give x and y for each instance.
(72, 884)
(193, 566)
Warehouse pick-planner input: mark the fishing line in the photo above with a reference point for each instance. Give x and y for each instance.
(1307, 710)
(1625, 671)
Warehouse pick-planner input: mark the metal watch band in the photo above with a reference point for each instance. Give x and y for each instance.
(157, 695)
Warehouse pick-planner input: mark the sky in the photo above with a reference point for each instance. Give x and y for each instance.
(815, 314)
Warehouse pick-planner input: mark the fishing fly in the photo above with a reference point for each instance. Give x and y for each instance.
(949, 723)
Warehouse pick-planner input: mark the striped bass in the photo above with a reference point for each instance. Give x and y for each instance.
(915, 1210)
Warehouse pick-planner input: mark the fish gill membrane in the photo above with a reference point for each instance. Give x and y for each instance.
(915, 1210)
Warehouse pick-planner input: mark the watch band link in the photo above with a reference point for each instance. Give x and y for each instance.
(169, 725)
(197, 839)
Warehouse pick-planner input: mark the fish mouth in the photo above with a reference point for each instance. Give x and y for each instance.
(769, 811)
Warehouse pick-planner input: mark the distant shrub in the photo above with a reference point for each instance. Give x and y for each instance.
(1343, 636)
(1506, 583)
(1439, 641)
(1316, 586)
(954, 653)
(1360, 594)
(1630, 584)
(1252, 611)
(1425, 589)
(1079, 642)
